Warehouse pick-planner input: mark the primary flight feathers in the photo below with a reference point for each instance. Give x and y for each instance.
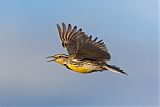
(81, 46)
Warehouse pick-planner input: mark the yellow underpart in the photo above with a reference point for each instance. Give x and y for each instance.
(80, 69)
(59, 61)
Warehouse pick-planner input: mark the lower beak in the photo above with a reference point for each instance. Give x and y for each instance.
(51, 57)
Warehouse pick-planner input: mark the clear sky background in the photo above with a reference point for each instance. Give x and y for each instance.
(28, 34)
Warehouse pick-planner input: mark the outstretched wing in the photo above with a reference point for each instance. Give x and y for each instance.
(81, 46)
(69, 37)
(89, 48)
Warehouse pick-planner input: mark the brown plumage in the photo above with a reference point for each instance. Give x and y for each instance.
(81, 46)
(86, 55)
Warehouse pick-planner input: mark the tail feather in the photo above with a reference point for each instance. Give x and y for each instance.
(115, 69)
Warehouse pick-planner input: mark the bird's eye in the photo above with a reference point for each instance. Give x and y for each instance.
(60, 56)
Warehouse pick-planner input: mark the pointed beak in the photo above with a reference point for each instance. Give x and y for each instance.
(51, 57)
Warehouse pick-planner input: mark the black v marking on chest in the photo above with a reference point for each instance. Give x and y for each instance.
(67, 66)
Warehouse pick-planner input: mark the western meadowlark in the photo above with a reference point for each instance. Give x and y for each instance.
(86, 55)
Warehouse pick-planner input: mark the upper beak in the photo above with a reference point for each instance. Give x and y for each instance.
(51, 57)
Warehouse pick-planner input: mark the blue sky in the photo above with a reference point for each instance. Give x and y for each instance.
(28, 34)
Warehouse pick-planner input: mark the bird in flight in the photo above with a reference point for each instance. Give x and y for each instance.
(85, 55)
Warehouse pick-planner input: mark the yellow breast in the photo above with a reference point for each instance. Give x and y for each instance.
(60, 61)
(80, 69)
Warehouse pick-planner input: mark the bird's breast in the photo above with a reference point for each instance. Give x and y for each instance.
(80, 69)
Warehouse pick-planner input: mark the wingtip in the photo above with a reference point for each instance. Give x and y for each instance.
(63, 23)
(58, 25)
(69, 24)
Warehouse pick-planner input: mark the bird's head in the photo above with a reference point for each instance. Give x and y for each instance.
(59, 58)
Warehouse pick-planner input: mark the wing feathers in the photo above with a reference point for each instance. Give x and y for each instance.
(94, 40)
(68, 31)
(72, 32)
(88, 39)
(76, 34)
(80, 45)
(60, 32)
(63, 31)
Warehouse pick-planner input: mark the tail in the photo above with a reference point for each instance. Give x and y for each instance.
(115, 69)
